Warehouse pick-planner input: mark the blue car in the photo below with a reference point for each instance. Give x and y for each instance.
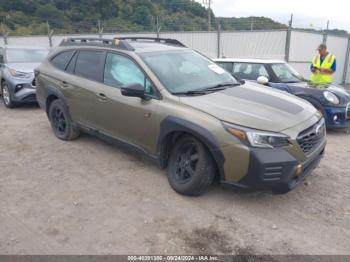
(332, 100)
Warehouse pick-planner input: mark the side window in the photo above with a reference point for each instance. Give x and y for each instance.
(226, 65)
(120, 70)
(249, 71)
(89, 64)
(61, 60)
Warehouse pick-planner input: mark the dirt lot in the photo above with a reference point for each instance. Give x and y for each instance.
(88, 197)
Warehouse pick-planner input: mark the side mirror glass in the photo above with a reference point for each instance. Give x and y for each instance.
(133, 90)
(263, 80)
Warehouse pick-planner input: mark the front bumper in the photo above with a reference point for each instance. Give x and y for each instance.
(278, 169)
(342, 118)
(22, 92)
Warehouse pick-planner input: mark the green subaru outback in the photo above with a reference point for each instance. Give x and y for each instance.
(182, 110)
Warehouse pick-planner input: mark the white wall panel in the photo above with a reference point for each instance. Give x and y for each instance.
(40, 41)
(266, 44)
(337, 46)
(204, 42)
(303, 46)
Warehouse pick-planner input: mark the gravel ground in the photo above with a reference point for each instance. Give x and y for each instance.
(88, 197)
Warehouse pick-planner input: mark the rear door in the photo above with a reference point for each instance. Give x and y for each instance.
(85, 76)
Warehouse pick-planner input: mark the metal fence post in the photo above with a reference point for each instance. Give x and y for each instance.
(288, 38)
(219, 40)
(5, 38)
(346, 64)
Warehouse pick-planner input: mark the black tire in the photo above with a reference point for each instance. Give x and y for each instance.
(61, 122)
(6, 96)
(191, 168)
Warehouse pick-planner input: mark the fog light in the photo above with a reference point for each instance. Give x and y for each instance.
(335, 118)
(18, 87)
(299, 170)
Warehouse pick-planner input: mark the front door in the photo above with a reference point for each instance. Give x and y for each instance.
(130, 119)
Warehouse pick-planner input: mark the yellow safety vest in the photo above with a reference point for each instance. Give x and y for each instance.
(318, 78)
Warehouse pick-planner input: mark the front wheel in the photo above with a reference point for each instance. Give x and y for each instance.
(61, 122)
(6, 96)
(191, 168)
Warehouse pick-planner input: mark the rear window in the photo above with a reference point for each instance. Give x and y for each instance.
(62, 59)
(89, 65)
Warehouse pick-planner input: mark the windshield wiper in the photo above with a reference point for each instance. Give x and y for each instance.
(220, 86)
(206, 90)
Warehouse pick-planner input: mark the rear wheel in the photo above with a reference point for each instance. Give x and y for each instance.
(6, 96)
(191, 168)
(61, 122)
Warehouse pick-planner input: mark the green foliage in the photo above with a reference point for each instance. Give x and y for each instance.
(22, 17)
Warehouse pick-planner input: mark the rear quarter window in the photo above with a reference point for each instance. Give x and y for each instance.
(61, 60)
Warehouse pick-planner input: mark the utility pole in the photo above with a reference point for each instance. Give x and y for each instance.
(252, 24)
(208, 3)
(325, 33)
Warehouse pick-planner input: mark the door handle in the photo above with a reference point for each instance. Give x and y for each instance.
(101, 97)
(65, 84)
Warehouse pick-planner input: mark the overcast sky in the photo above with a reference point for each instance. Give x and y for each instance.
(307, 13)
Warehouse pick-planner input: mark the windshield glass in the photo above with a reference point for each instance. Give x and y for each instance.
(286, 74)
(25, 55)
(186, 71)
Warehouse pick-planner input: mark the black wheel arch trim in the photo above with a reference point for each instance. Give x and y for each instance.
(53, 91)
(172, 125)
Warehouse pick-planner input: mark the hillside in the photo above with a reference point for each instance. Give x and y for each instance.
(24, 17)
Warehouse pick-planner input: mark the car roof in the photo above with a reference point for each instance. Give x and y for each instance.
(23, 47)
(143, 47)
(250, 60)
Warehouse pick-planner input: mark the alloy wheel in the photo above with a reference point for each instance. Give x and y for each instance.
(59, 120)
(185, 165)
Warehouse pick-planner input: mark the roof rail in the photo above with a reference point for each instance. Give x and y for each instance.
(81, 41)
(154, 39)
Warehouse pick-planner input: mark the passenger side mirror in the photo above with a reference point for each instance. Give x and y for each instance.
(133, 90)
(263, 80)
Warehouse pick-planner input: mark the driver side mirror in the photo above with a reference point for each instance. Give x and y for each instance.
(263, 80)
(133, 90)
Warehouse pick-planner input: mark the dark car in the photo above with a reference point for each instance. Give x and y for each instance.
(17, 64)
(332, 100)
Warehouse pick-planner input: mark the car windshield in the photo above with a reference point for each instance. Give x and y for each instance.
(187, 71)
(285, 73)
(17, 55)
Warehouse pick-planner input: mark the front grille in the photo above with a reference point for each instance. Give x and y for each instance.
(310, 138)
(347, 114)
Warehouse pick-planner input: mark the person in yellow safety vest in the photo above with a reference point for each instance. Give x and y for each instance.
(323, 67)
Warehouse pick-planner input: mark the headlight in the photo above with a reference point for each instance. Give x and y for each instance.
(19, 74)
(330, 97)
(257, 138)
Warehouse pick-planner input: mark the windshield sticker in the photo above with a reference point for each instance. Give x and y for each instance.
(217, 69)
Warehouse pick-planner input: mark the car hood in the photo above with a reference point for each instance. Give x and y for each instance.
(338, 90)
(254, 106)
(23, 67)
